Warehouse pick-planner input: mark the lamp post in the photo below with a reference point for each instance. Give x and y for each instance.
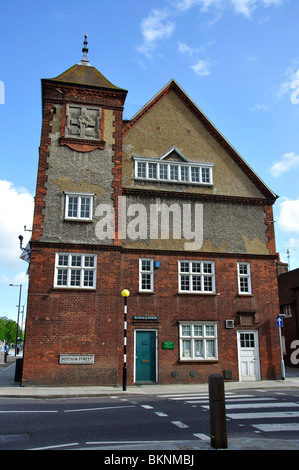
(19, 306)
(125, 293)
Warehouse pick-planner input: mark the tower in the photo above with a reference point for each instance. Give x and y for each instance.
(79, 169)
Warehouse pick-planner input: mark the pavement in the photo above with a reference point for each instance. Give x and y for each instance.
(11, 389)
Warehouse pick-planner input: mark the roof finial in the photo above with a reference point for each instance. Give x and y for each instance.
(84, 60)
(84, 49)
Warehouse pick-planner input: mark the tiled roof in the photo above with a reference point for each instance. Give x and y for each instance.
(85, 75)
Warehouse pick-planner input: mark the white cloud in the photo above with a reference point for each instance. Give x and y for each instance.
(16, 278)
(260, 107)
(185, 49)
(246, 7)
(202, 68)
(160, 24)
(153, 28)
(288, 161)
(16, 210)
(288, 219)
(205, 5)
(292, 76)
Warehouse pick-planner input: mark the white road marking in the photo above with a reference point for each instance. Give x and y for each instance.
(28, 411)
(262, 415)
(57, 446)
(201, 436)
(160, 413)
(179, 424)
(277, 427)
(239, 406)
(100, 409)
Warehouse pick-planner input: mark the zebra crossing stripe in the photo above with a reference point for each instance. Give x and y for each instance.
(229, 400)
(205, 396)
(238, 406)
(274, 427)
(179, 424)
(203, 437)
(262, 415)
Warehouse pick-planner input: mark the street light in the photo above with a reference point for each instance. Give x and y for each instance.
(125, 293)
(19, 306)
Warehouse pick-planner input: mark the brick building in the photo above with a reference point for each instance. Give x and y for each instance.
(288, 287)
(161, 205)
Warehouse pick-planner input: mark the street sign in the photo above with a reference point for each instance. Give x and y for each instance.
(279, 322)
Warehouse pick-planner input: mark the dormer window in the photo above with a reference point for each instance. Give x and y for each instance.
(173, 172)
(173, 167)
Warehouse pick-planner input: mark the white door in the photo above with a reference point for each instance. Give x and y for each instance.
(248, 355)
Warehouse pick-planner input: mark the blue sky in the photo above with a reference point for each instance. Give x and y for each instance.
(237, 59)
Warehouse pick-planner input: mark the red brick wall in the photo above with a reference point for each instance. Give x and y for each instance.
(72, 321)
(62, 321)
(172, 307)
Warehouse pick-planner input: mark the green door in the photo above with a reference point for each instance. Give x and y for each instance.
(145, 365)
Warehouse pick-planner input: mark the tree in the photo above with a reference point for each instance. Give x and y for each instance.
(8, 330)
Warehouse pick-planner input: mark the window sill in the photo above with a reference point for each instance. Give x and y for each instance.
(198, 293)
(146, 292)
(86, 221)
(158, 180)
(83, 289)
(198, 360)
(245, 294)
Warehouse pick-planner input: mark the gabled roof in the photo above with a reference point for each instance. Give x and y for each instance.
(172, 85)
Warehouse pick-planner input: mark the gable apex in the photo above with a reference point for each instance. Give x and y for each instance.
(172, 85)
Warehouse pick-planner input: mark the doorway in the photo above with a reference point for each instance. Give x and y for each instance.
(248, 355)
(146, 356)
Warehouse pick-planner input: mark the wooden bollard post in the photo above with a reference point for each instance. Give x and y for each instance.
(217, 412)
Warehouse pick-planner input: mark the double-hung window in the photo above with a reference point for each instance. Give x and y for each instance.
(244, 278)
(198, 341)
(196, 276)
(146, 275)
(78, 206)
(75, 270)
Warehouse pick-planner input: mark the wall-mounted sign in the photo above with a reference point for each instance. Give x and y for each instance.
(145, 317)
(76, 359)
(168, 345)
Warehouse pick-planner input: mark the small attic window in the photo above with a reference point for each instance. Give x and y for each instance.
(169, 171)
